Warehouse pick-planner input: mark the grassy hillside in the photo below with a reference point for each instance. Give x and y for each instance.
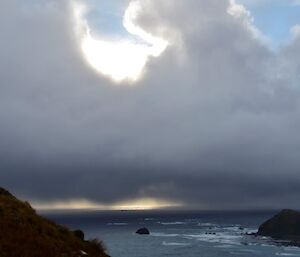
(23, 233)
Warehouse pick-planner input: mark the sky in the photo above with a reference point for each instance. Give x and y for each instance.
(274, 18)
(139, 104)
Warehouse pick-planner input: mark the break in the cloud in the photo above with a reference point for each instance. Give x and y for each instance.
(276, 29)
(119, 59)
(213, 122)
(269, 2)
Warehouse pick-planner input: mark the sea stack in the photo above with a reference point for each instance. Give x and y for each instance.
(143, 231)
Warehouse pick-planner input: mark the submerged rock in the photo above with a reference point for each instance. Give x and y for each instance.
(284, 225)
(143, 231)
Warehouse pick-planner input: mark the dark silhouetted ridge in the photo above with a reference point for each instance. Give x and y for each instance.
(26, 234)
(4, 192)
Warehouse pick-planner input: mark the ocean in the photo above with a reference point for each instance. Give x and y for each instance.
(176, 233)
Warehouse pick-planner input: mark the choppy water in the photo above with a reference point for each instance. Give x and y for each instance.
(188, 234)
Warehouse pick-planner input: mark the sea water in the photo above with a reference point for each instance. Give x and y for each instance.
(176, 233)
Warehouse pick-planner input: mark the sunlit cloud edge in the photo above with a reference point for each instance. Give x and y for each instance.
(83, 204)
(123, 60)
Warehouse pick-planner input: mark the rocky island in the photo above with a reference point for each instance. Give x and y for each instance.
(283, 226)
(26, 234)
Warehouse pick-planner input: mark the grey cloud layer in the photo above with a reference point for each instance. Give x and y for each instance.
(213, 123)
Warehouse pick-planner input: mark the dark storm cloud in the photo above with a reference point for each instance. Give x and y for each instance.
(214, 123)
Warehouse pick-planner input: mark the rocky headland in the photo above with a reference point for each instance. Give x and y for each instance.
(26, 234)
(283, 227)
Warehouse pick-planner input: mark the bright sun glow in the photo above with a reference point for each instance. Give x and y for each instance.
(138, 204)
(122, 60)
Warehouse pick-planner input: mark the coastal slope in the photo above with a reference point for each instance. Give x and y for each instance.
(23, 233)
